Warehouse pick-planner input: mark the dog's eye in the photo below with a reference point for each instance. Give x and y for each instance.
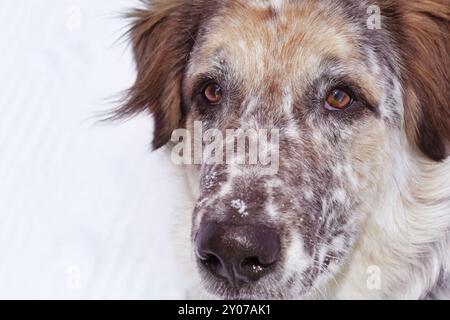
(338, 99)
(212, 93)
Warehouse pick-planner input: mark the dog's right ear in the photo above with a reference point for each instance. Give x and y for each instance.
(162, 36)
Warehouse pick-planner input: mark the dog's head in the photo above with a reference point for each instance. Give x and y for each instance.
(346, 87)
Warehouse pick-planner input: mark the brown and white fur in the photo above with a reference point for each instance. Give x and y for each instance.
(363, 188)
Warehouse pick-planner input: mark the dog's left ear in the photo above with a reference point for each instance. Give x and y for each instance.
(426, 56)
(163, 36)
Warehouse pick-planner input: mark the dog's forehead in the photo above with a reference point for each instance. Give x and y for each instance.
(251, 35)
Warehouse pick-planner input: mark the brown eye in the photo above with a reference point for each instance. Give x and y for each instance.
(212, 93)
(338, 99)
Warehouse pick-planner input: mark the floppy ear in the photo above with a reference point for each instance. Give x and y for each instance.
(162, 36)
(426, 56)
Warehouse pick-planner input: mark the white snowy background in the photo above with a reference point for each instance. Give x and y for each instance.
(83, 206)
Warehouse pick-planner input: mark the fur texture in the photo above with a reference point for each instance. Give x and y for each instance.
(361, 199)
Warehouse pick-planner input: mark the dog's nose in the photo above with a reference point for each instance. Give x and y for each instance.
(238, 253)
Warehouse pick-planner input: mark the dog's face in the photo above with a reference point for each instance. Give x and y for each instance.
(331, 87)
(280, 68)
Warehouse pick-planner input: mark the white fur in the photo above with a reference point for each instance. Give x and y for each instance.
(406, 235)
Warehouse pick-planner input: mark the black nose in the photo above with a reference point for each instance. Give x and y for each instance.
(238, 253)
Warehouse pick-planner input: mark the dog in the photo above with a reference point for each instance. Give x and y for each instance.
(359, 206)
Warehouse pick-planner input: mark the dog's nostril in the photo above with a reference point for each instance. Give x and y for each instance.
(255, 261)
(252, 264)
(210, 260)
(213, 263)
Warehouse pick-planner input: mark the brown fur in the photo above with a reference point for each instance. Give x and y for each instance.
(162, 39)
(425, 50)
(276, 62)
(164, 36)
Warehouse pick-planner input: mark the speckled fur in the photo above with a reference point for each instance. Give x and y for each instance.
(353, 189)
